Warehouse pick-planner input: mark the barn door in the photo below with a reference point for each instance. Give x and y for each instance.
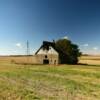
(45, 61)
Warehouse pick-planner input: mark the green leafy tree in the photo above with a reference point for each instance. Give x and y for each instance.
(68, 52)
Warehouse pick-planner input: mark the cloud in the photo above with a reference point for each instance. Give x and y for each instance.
(65, 37)
(95, 48)
(19, 45)
(86, 45)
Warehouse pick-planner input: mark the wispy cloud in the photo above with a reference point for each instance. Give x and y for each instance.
(95, 48)
(65, 37)
(19, 45)
(86, 45)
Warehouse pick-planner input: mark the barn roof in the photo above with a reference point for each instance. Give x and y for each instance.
(46, 45)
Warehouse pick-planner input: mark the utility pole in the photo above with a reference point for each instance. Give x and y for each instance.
(27, 51)
(28, 48)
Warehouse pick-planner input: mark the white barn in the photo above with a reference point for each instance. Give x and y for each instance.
(47, 54)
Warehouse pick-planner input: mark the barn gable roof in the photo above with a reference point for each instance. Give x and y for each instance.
(46, 45)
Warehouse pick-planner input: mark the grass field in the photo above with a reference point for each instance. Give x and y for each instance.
(48, 82)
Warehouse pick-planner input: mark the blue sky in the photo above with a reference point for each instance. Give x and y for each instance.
(38, 20)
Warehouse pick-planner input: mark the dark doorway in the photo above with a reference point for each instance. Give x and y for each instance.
(55, 62)
(45, 61)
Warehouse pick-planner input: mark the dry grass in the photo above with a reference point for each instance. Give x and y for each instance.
(20, 59)
(45, 82)
(91, 60)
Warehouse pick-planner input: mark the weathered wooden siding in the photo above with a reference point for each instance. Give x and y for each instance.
(53, 59)
(51, 55)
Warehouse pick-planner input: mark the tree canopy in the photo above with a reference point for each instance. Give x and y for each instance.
(68, 52)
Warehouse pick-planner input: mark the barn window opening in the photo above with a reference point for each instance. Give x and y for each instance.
(55, 62)
(46, 56)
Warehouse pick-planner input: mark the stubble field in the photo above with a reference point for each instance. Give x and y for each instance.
(49, 82)
(90, 60)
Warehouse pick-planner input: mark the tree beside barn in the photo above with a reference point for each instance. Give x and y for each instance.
(68, 52)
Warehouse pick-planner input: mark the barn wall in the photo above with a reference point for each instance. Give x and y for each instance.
(53, 59)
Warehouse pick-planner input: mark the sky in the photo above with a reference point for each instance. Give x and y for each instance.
(38, 20)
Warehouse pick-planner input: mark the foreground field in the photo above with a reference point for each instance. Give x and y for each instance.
(44, 82)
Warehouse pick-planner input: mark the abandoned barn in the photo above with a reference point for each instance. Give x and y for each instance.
(47, 54)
